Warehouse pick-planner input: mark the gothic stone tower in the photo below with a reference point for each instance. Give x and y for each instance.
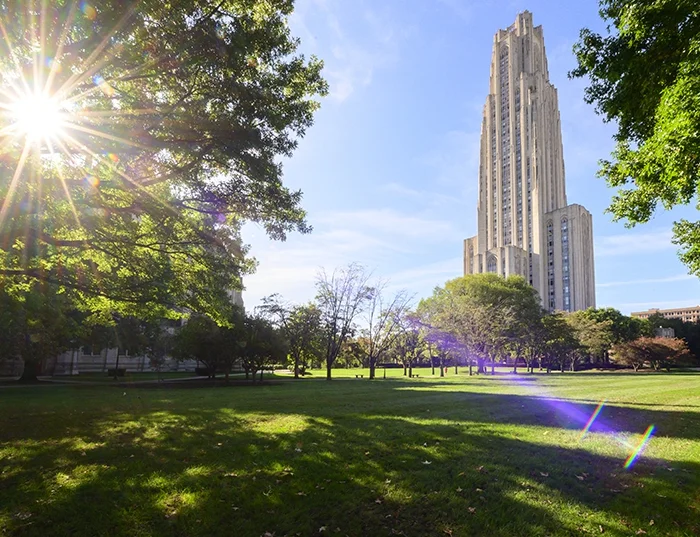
(525, 226)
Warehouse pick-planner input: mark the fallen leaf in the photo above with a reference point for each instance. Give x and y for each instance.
(366, 452)
(301, 493)
(298, 450)
(580, 477)
(640, 531)
(471, 509)
(427, 462)
(235, 508)
(544, 474)
(601, 529)
(268, 534)
(378, 500)
(459, 489)
(651, 522)
(322, 529)
(387, 481)
(479, 490)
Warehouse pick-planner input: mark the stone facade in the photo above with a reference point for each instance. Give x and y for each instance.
(525, 226)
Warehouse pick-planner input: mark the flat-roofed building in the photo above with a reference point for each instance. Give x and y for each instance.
(690, 314)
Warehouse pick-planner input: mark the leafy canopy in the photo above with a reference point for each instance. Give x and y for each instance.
(645, 75)
(173, 118)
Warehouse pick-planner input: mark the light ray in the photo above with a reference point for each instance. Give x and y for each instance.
(13, 181)
(61, 178)
(15, 60)
(119, 172)
(61, 44)
(95, 132)
(642, 444)
(76, 79)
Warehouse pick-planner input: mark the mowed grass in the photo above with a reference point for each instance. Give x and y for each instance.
(459, 455)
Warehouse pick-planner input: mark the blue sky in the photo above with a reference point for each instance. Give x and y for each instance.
(389, 169)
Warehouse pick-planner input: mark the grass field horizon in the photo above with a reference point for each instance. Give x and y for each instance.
(456, 455)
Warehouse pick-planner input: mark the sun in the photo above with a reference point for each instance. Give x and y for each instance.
(38, 117)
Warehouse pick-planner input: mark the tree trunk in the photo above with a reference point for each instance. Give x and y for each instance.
(493, 368)
(31, 371)
(404, 369)
(116, 366)
(328, 371)
(372, 368)
(410, 371)
(456, 371)
(261, 374)
(470, 367)
(442, 370)
(432, 365)
(296, 367)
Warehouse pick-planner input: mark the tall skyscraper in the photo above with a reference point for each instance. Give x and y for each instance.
(524, 225)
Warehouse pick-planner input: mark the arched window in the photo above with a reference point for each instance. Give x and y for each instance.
(492, 264)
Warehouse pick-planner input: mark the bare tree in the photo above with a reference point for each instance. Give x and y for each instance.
(383, 316)
(341, 297)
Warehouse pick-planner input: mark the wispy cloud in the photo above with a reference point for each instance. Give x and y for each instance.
(352, 62)
(392, 224)
(427, 276)
(374, 238)
(669, 279)
(426, 197)
(634, 243)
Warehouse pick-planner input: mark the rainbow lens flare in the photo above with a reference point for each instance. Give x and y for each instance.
(645, 439)
(590, 421)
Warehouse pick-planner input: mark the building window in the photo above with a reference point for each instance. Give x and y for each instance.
(492, 264)
(550, 264)
(565, 263)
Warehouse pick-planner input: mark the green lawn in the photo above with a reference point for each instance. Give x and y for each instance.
(460, 456)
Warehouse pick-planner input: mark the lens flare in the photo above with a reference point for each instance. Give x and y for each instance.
(645, 439)
(590, 421)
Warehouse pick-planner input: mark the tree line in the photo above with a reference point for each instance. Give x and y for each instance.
(479, 321)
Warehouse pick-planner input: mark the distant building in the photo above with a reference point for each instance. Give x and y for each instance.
(525, 226)
(691, 314)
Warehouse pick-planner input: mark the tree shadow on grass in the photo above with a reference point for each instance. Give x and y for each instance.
(279, 463)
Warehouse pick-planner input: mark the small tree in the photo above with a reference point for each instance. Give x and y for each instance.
(262, 346)
(217, 347)
(383, 318)
(657, 352)
(301, 326)
(341, 296)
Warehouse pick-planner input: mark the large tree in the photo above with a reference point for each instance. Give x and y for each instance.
(644, 75)
(479, 313)
(136, 138)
